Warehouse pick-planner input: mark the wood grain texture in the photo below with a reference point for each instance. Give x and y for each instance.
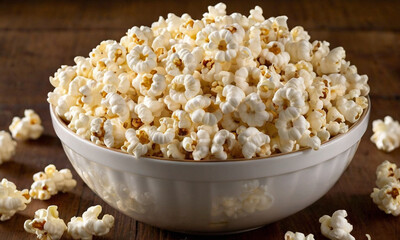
(36, 38)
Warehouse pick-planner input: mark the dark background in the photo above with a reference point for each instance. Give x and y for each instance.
(36, 38)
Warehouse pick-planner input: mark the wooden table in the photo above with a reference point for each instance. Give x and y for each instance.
(36, 38)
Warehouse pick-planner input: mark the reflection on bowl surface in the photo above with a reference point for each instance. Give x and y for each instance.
(210, 197)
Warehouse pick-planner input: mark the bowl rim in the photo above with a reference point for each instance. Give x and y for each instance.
(329, 141)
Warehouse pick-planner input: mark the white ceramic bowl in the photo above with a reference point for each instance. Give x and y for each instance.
(210, 197)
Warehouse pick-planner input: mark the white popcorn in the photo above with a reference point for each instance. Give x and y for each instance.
(46, 224)
(275, 54)
(137, 146)
(165, 133)
(181, 62)
(298, 236)
(252, 140)
(220, 72)
(331, 63)
(203, 110)
(223, 45)
(291, 95)
(336, 227)
(183, 88)
(350, 110)
(116, 106)
(223, 143)
(89, 225)
(114, 133)
(116, 53)
(300, 50)
(84, 67)
(50, 182)
(142, 59)
(144, 113)
(291, 124)
(386, 134)
(386, 173)
(7, 146)
(233, 97)
(252, 111)
(387, 198)
(29, 127)
(11, 200)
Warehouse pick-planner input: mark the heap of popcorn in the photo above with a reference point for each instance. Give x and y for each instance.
(222, 87)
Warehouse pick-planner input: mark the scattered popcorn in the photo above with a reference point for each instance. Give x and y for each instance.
(11, 200)
(29, 127)
(298, 236)
(7, 146)
(50, 182)
(386, 196)
(89, 225)
(211, 88)
(46, 224)
(336, 227)
(386, 134)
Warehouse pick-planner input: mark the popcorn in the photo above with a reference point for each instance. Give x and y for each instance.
(275, 54)
(386, 173)
(29, 127)
(387, 198)
(188, 88)
(11, 200)
(298, 236)
(141, 59)
(386, 134)
(291, 124)
(7, 146)
(89, 225)
(46, 224)
(203, 110)
(331, 63)
(233, 97)
(50, 182)
(223, 45)
(252, 111)
(183, 88)
(252, 140)
(223, 143)
(336, 227)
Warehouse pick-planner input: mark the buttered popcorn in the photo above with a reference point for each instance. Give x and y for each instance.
(336, 227)
(50, 182)
(221, 87)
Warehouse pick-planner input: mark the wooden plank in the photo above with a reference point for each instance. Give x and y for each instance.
(86, 15)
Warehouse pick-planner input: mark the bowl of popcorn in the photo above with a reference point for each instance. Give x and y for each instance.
(216, 125)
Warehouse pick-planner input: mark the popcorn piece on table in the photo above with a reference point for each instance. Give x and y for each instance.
(386, 173)
(386, 134)
(387, 198)
(7, 146)
(11, 200)
(46, 224)
(50, 182)
(29, 127)
(298, 236)
(336, 227)
(89, 225)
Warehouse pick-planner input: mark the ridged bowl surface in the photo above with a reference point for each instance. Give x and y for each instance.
(210, 197)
